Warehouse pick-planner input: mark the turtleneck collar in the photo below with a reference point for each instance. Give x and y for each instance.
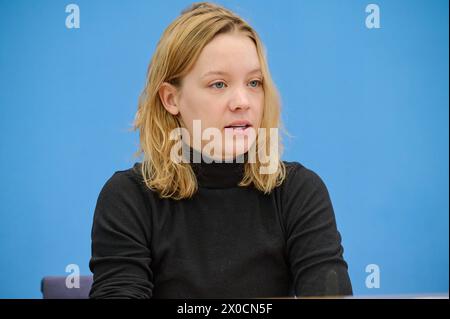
(211, 174)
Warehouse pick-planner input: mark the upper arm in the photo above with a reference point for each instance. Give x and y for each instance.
(313, 241)
(120, 236)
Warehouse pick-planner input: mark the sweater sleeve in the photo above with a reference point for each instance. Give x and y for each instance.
(314, 247)
(120, 236)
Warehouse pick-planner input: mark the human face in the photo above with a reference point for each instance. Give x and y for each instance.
(224, 87)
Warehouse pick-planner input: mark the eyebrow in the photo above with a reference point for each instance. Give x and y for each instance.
(225, 73)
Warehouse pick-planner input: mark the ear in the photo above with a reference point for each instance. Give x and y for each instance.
(168, 94)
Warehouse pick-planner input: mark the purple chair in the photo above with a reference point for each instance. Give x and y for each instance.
(54, 287)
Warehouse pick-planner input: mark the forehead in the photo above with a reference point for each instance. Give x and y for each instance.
(233, 53)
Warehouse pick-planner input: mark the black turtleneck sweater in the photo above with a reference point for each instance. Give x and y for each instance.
(225, 242)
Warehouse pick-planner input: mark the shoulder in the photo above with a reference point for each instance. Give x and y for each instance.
(127, 182)
(300, 176)
(304, 195)
(122, 201)
(122, 211)
(302, 186)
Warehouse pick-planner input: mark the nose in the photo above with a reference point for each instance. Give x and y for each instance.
(240, 99)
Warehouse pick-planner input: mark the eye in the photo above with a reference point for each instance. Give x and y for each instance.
(255, 83)
(218, 85)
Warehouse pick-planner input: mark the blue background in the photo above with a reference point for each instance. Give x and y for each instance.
(367, 108)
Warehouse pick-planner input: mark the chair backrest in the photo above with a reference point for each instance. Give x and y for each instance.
(54, 287)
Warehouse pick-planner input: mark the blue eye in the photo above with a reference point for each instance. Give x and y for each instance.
(218, 85)
(255, 83)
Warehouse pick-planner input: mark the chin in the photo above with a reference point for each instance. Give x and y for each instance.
(240, 146)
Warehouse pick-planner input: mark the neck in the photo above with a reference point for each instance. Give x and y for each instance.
(212, 173)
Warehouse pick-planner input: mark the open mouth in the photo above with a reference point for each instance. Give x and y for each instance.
(238, 127)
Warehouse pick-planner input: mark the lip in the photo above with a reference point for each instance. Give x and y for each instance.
(240, 122)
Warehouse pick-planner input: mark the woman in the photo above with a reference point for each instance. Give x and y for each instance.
(232, 223)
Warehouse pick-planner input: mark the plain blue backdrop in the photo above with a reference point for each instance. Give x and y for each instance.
(367, 108)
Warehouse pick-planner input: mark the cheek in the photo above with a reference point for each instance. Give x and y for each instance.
(259, 109)
(196, 97)
(198, 105)
(191, 103)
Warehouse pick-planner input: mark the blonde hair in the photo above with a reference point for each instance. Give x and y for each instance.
(176, 53)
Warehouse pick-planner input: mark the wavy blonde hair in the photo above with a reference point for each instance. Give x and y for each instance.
(176, 53)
